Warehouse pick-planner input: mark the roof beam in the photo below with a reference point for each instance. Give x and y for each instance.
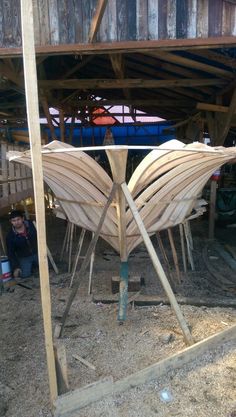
(126, 47)
(126, 102)
(191, 63)
(211, 107)
(227, 123)
(97, 84)
(96, 20)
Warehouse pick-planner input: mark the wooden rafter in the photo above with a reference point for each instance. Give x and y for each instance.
(118, 66)
(96, 20)
(93, 84)
(187, 62)
(213, 107)
(127, 46)
(225, 130)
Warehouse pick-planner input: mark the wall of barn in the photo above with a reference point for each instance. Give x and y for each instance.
(68, 21)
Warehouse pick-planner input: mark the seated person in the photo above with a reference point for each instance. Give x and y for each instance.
(21, 243)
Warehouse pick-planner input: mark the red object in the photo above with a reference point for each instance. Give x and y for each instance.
(216, 175)
(103, 120)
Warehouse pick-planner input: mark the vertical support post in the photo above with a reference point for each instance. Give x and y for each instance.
(91, 270)
(118, 163)
(81, 239)
(212, 209)
(88, 256)
(31, 90)
(181, 232)
(157, 265)
(123, 299)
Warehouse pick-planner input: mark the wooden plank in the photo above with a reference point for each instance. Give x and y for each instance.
(126, 46)
(154, 300)
(44, 23)
(157, 265)
(142, 19)
(212, 210)
(16, 23)
(171, 19)
(70, 403)
(227, 123)
(8, 40)
(102, 34)
(63, 19)
(78, 22)
(4, 170)
(1, 26)
(61, 368)
(121, 20)
(62, 125)
(112, 21)
(87, 257)
(30, 76)
(192, 19)
(54, 22)
(130, 83)
(212, 107)
(181, 18)
(202, 19)
(37, 25)
(187, 62)
(215, 17)
(131, 20)
(86, 18)
(178, 360)
(71, 21)
(96, 20)
(153, 19)
(162, 19)
(118, 162)
(84, 362)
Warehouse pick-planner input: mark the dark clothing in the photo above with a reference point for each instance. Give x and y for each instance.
(21, 246)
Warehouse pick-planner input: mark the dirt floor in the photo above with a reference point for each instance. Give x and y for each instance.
(206, 387)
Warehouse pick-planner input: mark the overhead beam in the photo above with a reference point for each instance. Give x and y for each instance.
(211, 107)
(126, 47)
(134, 102)
(227, 123)
(94, 84)
(96, 20)
(193, 64)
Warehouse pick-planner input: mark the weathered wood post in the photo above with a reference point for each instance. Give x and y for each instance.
(31, 90)
(118, 162)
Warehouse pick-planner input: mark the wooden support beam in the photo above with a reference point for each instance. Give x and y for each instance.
(94, 84)
(212, 211)
(213, 107)
(87, 257)
(193, 64)
(72, 402)
(30, 76)
(48, 117)
(62, 125)
(225, 130)
(126, 46)
(96, 20)
(157, 265)
(134, 102)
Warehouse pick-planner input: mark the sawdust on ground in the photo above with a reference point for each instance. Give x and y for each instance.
(206, 387)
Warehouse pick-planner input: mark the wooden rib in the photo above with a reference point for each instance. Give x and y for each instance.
(166, 186)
